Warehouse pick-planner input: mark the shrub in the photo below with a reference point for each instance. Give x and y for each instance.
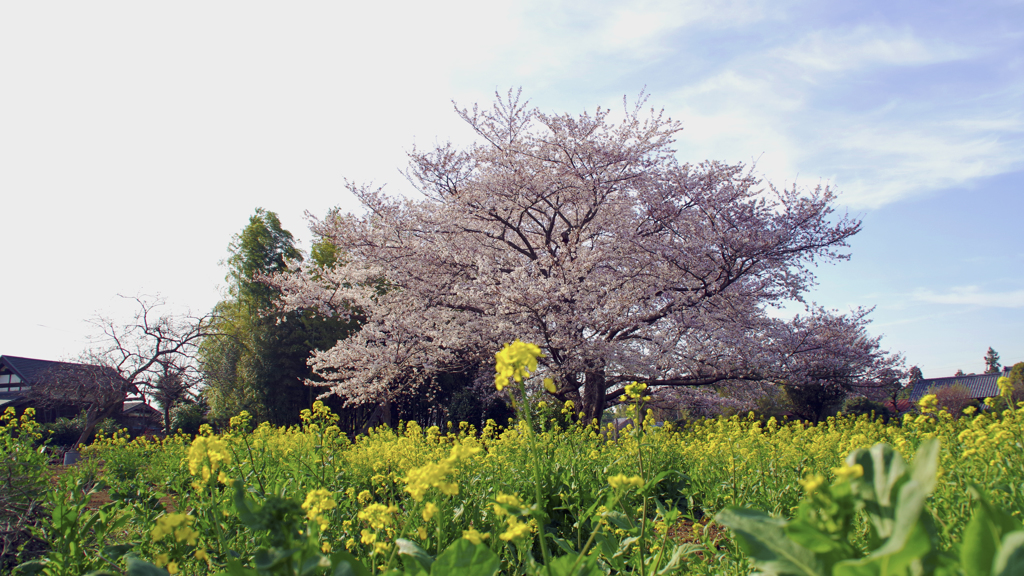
(857, 405)
(22, 485)
(188, 417)
(953, 398)
(66, 431)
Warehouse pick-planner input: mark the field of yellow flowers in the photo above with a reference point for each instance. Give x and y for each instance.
(544, 495)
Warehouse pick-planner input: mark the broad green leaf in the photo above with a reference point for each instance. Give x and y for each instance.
(677, 555)
(310, 565)
(346, 564)
(139, 567)
(562, 543)
(983, 536)
(890, 562)
(268, 559)
(563, 566)
(118, 550)
(411, 550)
(925, 467)
(808, 536)
(620, 520)
(1010, 559)
(884, 469)
(30, 567)
(764, 540)
(463, 558)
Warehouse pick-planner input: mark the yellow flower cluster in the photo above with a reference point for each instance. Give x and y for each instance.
(845, 473)
(928, 403)
(516, 529)
(516, 361)
(378, 515)
(635, 390)
(241, 422)
(428, 511)
(435, 474)
(620, 481)
(1005, 386)
(207, 456)
(474, 536)
(180, 525)
(317, 502)
(11, 425)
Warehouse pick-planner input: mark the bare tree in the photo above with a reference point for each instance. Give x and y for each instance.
(153, 354)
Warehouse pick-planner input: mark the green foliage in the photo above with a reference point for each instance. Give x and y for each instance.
(258, 364)
(902, 536)
(189, 416)
(22, 484)
(857, 405)
(66, 431)
(815, 402)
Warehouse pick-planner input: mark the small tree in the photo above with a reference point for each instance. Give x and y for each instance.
(992, 362)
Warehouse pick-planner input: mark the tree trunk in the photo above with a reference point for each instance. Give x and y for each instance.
(167, 420)
(593, 396)
(93, 416)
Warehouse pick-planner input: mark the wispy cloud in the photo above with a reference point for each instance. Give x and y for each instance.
(973, 296)
(863, 46)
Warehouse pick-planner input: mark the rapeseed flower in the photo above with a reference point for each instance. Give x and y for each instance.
(317, 502)
(844, 473)
(377, 515)
(516, 361)
(177, 524)
(428, 511)
(620, 481)
(516, 529)
(206, 456)
(475, 536)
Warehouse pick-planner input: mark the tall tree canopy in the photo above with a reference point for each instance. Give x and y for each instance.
(259, 364)
(591, 240)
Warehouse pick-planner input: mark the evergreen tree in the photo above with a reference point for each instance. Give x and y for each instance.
(914, 375)
(992, 362)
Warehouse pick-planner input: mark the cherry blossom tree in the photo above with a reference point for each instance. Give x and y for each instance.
(589, 238)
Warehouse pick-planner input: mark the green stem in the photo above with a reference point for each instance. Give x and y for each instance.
(542, 520)
(640, 460)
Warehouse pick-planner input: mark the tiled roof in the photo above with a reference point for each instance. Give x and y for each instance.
(31, 369)
(979, 385)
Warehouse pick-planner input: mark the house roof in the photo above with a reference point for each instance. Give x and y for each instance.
(31, 369)
(979, 385)
(139, 408)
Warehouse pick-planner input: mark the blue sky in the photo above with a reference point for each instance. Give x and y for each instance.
(135, 139)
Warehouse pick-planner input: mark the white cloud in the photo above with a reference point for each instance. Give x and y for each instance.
(863, 46)
(878, 163)
(973, 296)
